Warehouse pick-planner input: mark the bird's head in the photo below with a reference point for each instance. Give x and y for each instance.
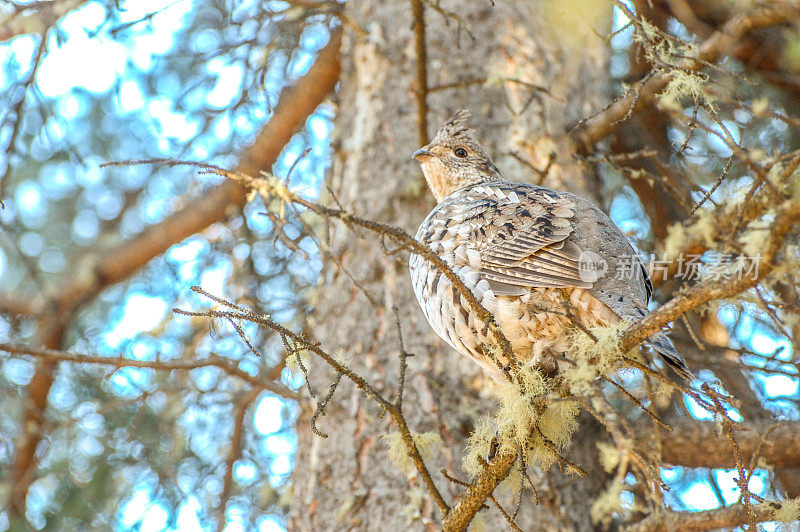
(454, 159)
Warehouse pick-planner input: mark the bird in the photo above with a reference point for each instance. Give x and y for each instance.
(537, 259)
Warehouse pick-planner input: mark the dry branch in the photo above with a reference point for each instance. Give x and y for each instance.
(233, 454)
(699, 444)
(718, 44)
(727, 517)
(212, 360)
(421, 88)
(394, 409)
(35, 17)
(271, 187)
(468, 503)
(786, 219)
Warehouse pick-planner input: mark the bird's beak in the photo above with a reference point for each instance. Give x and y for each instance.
(420, 154)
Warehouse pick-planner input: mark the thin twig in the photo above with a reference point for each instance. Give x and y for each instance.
(164, 365)
(322, 404)
(421, 88)
(234, 451)
(358, 380)
(272, 186)
(599, 126)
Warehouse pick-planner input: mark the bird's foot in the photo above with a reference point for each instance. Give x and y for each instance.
(494, 447)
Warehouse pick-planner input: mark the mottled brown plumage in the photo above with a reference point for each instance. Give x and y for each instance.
(524, 251)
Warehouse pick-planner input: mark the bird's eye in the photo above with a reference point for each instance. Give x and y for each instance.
(461, 153)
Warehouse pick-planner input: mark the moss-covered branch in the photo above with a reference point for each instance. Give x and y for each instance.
(726, 517)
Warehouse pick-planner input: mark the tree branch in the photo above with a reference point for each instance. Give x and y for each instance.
(12, 305)
(786, 218)
(699, 444)
(299, 340)
(35, 18)
(421, 89)
(271, 187)
(233, 454)
(470, 502)
(601, 125)
(163, 365)
(727, 517)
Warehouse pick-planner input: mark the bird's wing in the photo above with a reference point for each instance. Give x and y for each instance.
(520, 235)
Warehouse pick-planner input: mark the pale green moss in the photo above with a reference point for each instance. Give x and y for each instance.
(603, 351)
(789, 512)
(478, 447)
(518, 412)
(579, 378)
(666, 51)
(703, 229)
(752, 239)
(685, 84)
(609, 456)
(292, 362)
(426, 443)
(413, 510)
(559, 421)
(675, 240)
(760, 106)
(606, 505)
(525, 420)
(662, 48)
(478, 523)
(532, 416)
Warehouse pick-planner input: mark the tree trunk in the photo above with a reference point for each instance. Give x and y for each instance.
(490, 59)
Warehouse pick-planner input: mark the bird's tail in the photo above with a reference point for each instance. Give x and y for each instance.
(663, 346)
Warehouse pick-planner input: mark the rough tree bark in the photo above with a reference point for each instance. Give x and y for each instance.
(346, 480)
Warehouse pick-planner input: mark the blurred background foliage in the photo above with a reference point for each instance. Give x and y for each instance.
(141, 448)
